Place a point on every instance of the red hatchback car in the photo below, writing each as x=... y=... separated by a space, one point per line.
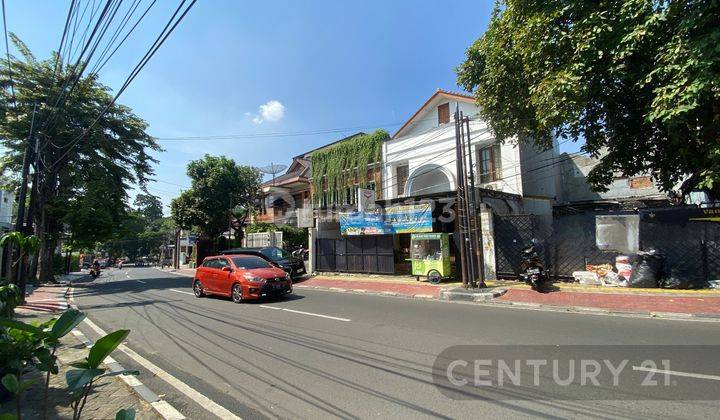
x=241 y=277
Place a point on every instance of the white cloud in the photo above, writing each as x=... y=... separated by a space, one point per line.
x=271 y=111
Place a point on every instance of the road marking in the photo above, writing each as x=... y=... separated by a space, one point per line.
x=188 y=391
x=676 y=373
x=307 y=313
x=182 y=291
x=140 y=281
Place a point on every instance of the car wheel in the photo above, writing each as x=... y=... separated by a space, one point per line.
x=237 y=293
x=198 y=289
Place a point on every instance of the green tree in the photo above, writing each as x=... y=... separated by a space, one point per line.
x=150 y=206
x=638 y=80
x=85 y=172
x=219 y=187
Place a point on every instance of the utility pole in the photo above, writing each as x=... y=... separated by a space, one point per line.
x=460 y=200
x=469 y=210
x=21 y=204
x=480 y=250
x=176 y=254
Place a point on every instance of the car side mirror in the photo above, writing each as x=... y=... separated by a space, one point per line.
x=228 y=269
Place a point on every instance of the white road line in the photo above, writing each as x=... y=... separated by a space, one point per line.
x=188 y=391
x=307 y=313
x=676 y=373
x=181 y=291
x=140 y=281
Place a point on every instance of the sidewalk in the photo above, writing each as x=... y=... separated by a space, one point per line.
x=45 y=299
x=110 y=395
x=620 y=301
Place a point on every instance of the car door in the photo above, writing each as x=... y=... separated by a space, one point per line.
x=207 y=273
x=222 y=278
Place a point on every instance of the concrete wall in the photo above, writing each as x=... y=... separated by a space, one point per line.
x=540 y=170
x=575 y=188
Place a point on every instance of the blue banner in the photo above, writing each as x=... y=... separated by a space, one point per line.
x=413 y=218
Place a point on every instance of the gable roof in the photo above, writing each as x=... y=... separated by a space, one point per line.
x=455 y=96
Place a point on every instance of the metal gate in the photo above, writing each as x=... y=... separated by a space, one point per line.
x=691 y=248
x=359 y=254
x=512 y=234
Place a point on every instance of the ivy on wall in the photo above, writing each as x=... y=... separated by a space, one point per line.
x=345 y=163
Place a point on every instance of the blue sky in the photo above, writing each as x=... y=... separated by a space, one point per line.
x=330 y=64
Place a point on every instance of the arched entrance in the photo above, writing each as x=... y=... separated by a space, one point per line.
x=429 y=179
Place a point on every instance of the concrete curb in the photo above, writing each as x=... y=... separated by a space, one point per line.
x=469 y=296
x=161 y=407
x=675 y=316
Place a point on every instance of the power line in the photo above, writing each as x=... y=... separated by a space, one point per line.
x=126 y=36
x=164 y=34
x=7 y=55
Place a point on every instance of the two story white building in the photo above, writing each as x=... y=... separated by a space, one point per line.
x=420 y=160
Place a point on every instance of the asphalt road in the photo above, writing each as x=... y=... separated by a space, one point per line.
x=324 y=354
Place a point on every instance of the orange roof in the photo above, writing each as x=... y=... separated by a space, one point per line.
x=440 y=92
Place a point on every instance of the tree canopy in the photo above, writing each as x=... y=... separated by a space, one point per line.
x=150 y=206
x=637 y=80
x=218 y=188
x=86 y=160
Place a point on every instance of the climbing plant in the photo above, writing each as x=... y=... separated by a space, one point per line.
x=346 y=162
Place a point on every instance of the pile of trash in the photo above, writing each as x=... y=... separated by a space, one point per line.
x=646 y=269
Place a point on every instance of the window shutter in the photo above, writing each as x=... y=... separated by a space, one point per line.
x=444 y=113
x=497 y=163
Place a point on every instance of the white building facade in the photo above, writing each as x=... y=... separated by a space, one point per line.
x=420 y=159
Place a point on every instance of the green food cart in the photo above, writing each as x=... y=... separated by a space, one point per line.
x=430 y=256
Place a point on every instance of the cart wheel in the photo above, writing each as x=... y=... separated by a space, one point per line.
x=434 y=277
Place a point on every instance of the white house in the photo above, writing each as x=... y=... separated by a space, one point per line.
x=420 y=159
x=7 y=200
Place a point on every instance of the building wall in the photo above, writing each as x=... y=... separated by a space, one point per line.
x=540 y=171
x=427 y=144
x=575 y=188
x=7 y=201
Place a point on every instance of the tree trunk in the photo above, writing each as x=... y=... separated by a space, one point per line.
x=45 y=261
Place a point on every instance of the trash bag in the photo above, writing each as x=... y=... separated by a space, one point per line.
x=682 y=278
x=647 y=270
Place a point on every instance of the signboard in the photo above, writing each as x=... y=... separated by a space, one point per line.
x=619 y=233
x=413 y=218
x=359 y=223
x=365 y=199
x=305 y=217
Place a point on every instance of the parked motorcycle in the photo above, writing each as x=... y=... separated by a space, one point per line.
x=300 y=252
x=532 y=270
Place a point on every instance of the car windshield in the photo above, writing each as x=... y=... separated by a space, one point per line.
x=249 y=262
x=275 y=253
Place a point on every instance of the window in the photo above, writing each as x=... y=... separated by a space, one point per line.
x=401 y=175
x=250 y=262
x=207 y=263
x=444 y=113
x=220 y=263
x=489 y=164
x=276 y=254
